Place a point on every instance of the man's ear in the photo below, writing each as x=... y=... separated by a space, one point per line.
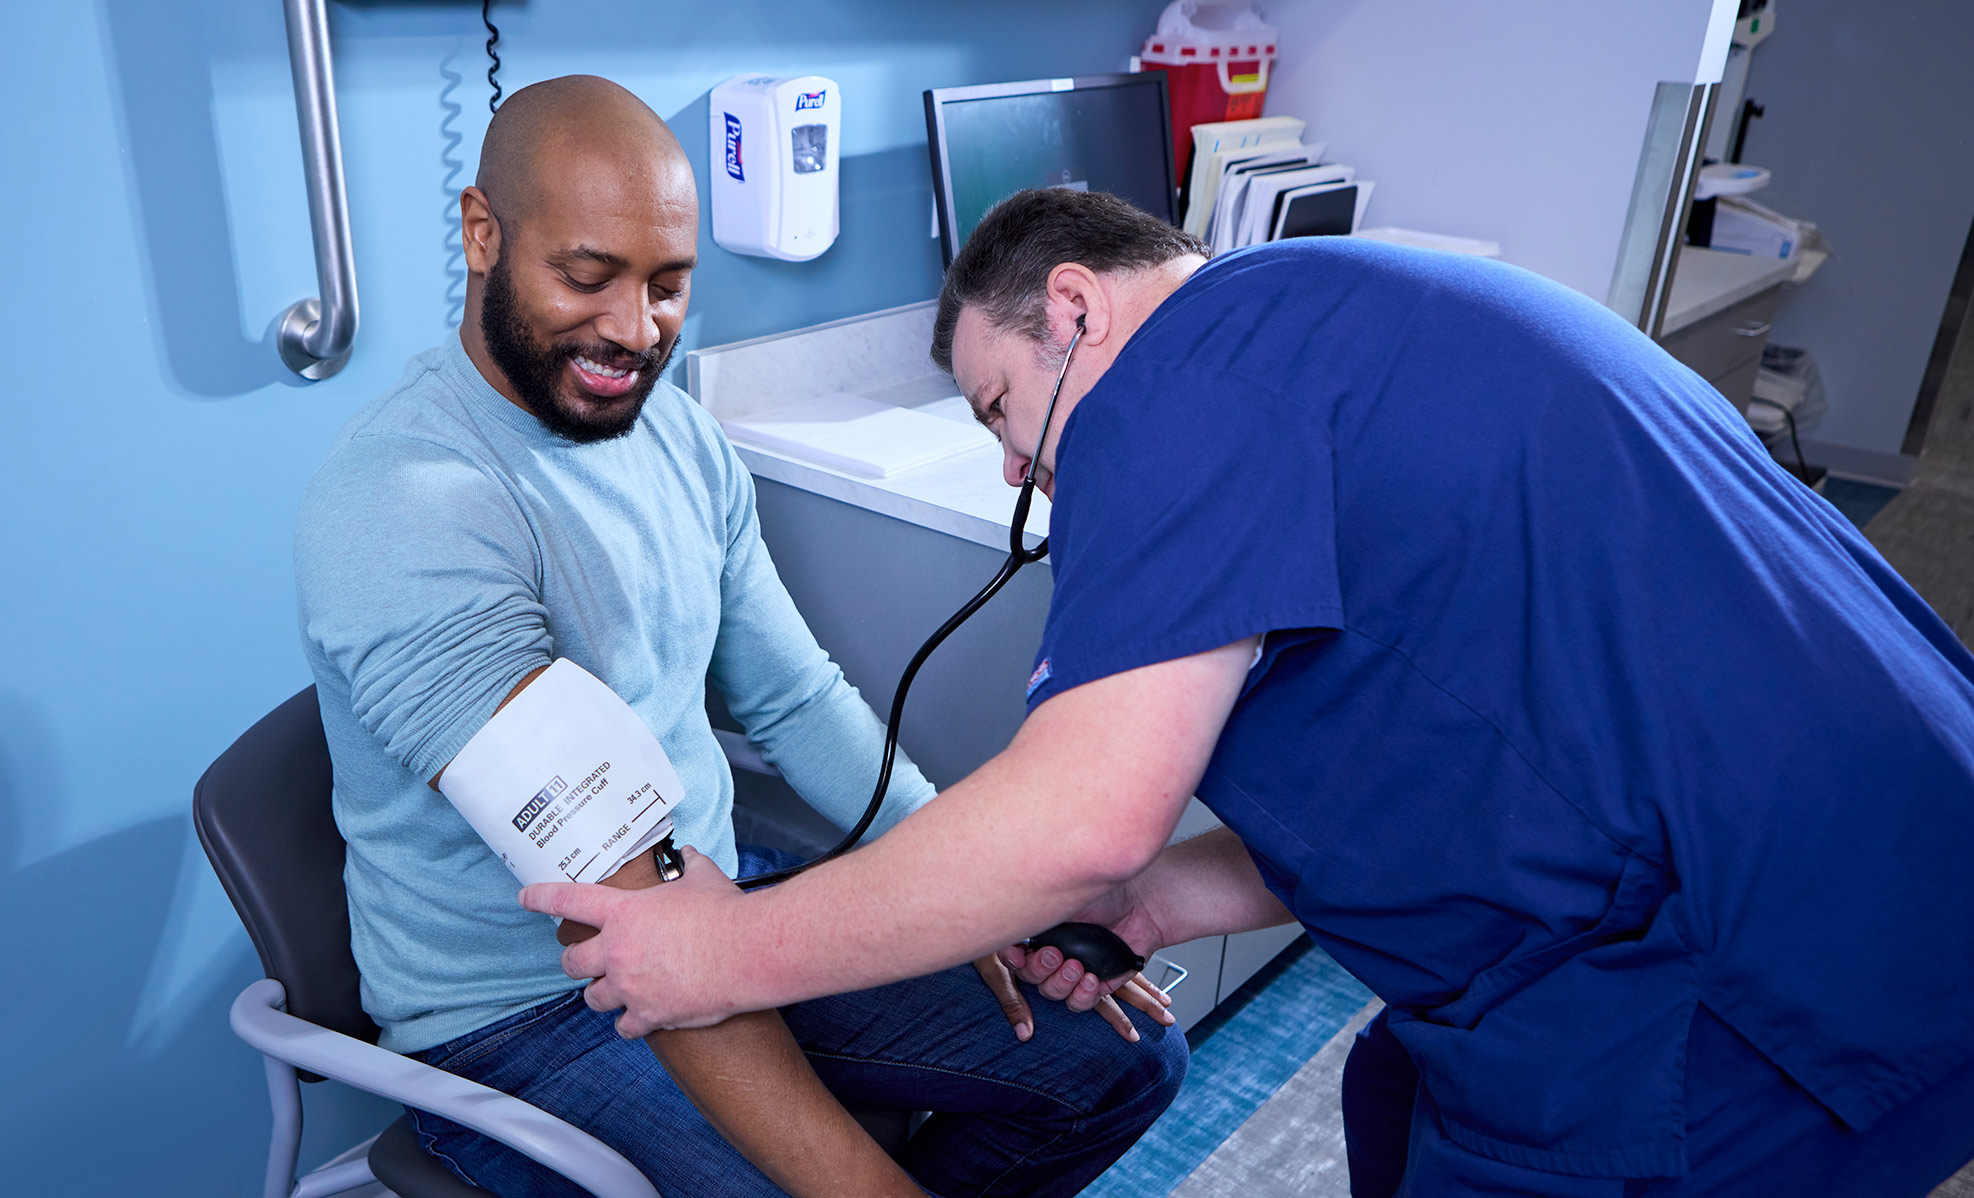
x=1077 y=297
x=479 y=232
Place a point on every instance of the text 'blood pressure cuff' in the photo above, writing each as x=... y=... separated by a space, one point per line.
x=566 y=782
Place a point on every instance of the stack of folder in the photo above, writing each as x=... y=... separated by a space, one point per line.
x=1257 y=180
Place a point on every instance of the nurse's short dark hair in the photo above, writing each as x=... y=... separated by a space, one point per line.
x=1004 y=266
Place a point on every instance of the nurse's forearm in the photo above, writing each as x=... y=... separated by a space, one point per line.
x=1081 y=802
x=1207 y=886
x=994 y=859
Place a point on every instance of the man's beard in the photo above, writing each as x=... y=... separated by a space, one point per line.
x=536 y=371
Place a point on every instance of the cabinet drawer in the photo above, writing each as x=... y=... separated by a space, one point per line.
x=1721 y=343
x=1247 y=952
x=1738 y=384
x=1196 y=996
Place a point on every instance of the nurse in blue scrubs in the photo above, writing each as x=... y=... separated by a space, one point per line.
x=1608 y=755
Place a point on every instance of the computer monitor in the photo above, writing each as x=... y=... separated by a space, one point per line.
x=1093 y=132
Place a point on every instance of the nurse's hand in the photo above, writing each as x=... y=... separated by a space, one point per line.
x=1124 y=911
x=998 y=971
x=639 y=873
x=658 y=953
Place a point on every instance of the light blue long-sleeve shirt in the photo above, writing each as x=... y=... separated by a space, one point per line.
x=449 y=546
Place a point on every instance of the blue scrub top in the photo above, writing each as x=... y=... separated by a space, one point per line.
x=1574 y=709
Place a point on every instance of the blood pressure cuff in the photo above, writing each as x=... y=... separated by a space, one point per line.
x=566 y=782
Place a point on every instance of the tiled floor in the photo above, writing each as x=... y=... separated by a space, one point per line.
x=1858 y=501
x=1242 y=1054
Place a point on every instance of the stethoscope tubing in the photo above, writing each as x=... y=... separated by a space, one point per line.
x=1018 y=556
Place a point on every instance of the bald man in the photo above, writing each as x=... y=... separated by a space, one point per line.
x=531 y=491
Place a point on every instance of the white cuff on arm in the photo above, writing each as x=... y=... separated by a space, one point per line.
x=566 y=782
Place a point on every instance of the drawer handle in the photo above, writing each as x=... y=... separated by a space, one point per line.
x=1757 y=329
x=1169 y=968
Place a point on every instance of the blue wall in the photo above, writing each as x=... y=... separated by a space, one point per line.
x=154 y=449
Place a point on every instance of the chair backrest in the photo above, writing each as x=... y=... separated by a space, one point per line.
x=263 y=814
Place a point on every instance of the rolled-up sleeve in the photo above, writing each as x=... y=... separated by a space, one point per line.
x=418 y=580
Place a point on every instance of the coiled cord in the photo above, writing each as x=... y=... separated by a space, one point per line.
x=493 y=38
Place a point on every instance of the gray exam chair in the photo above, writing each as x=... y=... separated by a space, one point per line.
x=262 y=812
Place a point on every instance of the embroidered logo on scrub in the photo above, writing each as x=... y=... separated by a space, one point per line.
x=1042 y=674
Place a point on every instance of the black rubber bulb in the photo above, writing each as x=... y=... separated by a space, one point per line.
x=1102 y=951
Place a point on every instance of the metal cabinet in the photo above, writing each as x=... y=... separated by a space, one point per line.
x=1249 y=951
x=1726 y=348
x=871 y=587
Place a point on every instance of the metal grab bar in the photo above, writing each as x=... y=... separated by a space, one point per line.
x=314 y=337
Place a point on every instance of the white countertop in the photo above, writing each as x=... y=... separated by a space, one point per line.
x=963 y=495
x=881 y=356
x=1705 y=282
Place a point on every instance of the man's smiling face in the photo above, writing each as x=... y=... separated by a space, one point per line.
x=581 y=233
x=582 y=310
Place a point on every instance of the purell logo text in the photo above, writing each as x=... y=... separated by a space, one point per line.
x=733 y=147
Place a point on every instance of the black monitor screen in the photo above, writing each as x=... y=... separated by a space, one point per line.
x=1103 y=133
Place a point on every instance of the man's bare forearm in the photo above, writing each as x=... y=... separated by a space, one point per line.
x=750 y=1080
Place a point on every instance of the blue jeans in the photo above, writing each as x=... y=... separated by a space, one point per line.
x=1043 y=1118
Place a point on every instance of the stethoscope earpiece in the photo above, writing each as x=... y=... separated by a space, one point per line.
x=1021 y=554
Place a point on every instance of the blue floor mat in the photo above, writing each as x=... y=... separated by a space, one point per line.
x=1858 y=501
x=1242 y=1053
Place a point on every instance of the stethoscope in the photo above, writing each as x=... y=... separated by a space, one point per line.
x=1101 y=950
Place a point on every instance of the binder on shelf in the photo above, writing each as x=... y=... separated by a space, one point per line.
x=1215 y=142
x=1262 y=204
x=1319 y=210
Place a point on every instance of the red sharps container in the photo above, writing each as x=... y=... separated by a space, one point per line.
x=1215 y=55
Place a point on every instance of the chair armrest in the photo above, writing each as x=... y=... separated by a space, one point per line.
x=259 y=1019
x=742 y=755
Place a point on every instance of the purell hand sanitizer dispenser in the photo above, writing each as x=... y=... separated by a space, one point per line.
x=774 y=148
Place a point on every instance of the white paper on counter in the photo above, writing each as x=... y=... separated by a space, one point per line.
x=858 y=435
